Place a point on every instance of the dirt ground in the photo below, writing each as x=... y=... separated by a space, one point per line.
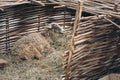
x=48 y=68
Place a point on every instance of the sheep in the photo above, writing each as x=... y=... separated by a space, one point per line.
x=33 y=45
x=52 y=31
x=59 y=29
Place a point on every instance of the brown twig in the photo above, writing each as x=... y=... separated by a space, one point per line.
x=112 y=22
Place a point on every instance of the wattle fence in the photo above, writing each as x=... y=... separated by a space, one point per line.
x=20 y=20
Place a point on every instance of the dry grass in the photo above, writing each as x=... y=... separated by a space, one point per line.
x=48 y=68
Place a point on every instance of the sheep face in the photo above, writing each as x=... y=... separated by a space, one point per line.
x=56 y=27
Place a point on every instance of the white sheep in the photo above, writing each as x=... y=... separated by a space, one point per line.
x=59 y=29
x=33 y=45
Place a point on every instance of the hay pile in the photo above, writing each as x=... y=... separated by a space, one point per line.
x=48 y=68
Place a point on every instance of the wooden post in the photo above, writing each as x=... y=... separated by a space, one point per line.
x=75 y=27
x=64 y=17
x=7 y=37
x=38 y=23
x=115 y=7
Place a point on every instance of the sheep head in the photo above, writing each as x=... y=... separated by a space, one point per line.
x=56 y=27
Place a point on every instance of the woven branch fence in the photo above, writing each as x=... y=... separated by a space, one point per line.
x=110 y=7
x=20 y=20
x=94 y=50
x=96 y=40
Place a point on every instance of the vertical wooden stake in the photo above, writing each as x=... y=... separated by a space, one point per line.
x=7 y=37
x=64 y=17
x=115 y=7
x=75 y=27
x=38 y=23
